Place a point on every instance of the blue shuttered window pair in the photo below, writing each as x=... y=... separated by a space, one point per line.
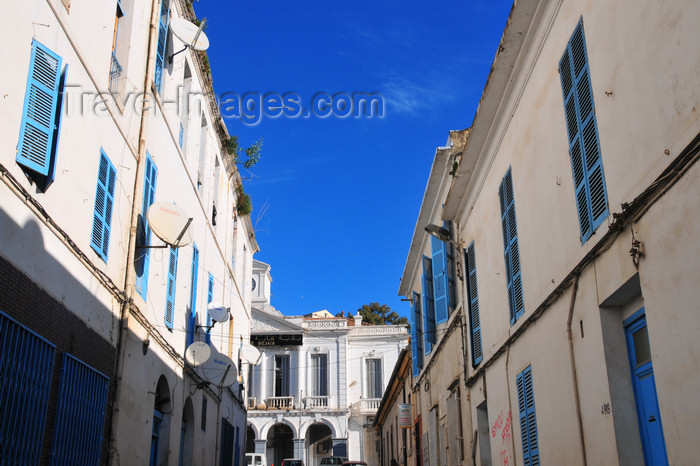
x=104 y=201
x=162 y=42
x=41 y=115
x=170 y=296
x=210 y=297
x=25 y=382
x=428 y=306
x=528 y=419
x=473 y=301
x=144 y=231
x=192 y=316
x=511 y=250
x=584 y=146
x=443 y=278
x=80 y=414
x=416 y=335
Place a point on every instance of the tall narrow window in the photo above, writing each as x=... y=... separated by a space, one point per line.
x=428 y=306
x=144 y=231
x=528 y=419
x=192 y=315
x=170 y=296
x=584 y=146
x=511 y=250
x=210 y=298
x=41 y=115
x=282 y=386
x=443 y=277
x=104 y=201
x=319 y=375
x=473 y=301
x=375 y=388
x=162 y=42
x=416 y=334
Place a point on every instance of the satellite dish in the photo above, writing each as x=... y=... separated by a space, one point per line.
x=197 y=353
x=218 y=312
x=250 y=354
x=189 y=33
x=170 y=223
x=219 y=369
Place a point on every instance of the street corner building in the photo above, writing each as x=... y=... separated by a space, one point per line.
x=553 y=269
x=101 y=121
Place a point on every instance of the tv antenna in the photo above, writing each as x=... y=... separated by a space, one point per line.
x=190 y=34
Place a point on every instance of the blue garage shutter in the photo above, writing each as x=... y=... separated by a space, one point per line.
x=192 y=317
x=428 y=306
x=104 y=201
x=144 y=233
x=170 y=296
x=528 y=419
x=210 y=297
x=25 y=381
x=40 y=116
x=584 y=145
x=162 y=42
x=511 y=251
x=473 y=300
x=80 y=414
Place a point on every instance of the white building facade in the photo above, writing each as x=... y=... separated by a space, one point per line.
x=319 y=382
x=98 y=124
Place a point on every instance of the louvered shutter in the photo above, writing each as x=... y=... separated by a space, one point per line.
x=149 y=194
x=162 y=42
x=428 y=306
x=584 y=145
x=210 y=297
x=104 y=202
x=473 y=297
x=440 y=285
x=414 y=339
x=511 y=250
x=191 y=318
x=38 y=125
x=172 y=282
x=528 y=418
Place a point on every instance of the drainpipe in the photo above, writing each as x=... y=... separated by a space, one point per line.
x=129 y=281
x=574 y=376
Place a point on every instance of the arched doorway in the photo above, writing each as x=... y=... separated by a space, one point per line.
x=280 y=444
x=160 y=432
x=249 y=440
x=319 y=443
x=187 y=434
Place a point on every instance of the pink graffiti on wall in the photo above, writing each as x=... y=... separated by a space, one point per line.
x=501 y=430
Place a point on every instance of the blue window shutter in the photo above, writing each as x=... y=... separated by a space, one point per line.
x=182 y=136
x=143 y=254
x=584 y=144
x=417 y=302
x=414 y=340
x=172 y=282
x=39 y=115
x=516 y=302
x=440 y=285
x=528 y=418
x=192 y=317
x=162 y=42
x=210 y=297
x=25 y=375
x=104 y=202
x=473 y=300
x=80 y=414
x=428 y=306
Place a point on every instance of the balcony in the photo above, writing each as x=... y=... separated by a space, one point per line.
x=116 y=73
x=370 y=405
x=318 y=402
x=280 y=402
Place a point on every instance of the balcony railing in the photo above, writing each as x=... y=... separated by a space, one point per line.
x=316 y=402
x=280 y=402
x=115 y=76
x=370 y=404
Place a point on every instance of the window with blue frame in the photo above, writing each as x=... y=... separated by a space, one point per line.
x=511 y=250
x=416 y=334
x=528 y=418
x=104 y=202
x=210 y=297
x=443 y=277
x=161 y=50
x=582 y=129
x=41 y=116
x=473 y=301
x=192 y=316
x=170 y=296
x=428 y=306
x=144 y=231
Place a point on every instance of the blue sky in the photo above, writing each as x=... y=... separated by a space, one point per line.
x=340 y=196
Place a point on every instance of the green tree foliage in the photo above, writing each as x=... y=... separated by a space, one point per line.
x=379 y=314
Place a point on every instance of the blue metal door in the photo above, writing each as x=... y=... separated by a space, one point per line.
x=648 y=414
x=155 y=436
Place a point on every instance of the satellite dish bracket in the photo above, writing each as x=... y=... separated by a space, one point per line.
x=194 y=41
x=166 y=245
